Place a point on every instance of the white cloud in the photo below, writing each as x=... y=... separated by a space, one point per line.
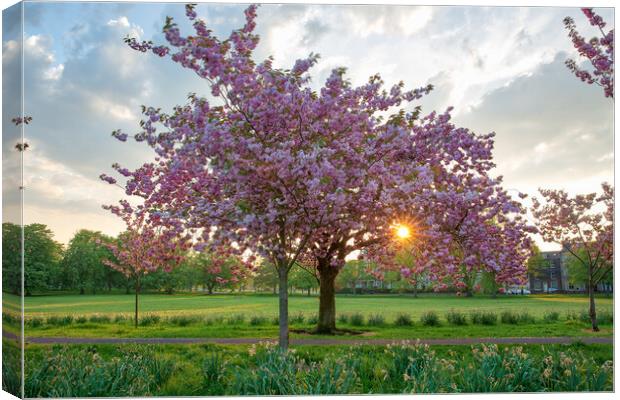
x=122 y=21
x=117 y=111
x=541 y=148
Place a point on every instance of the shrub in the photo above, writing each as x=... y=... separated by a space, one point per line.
x=429 y=318
x=356 y=319
x=11 y=368
x=258 y=320
x=605 y=317
x=403 y=320
x=413 y=369
x=376 y=320
x=11 y=319
x=149 y=319
x=213 y=369
x=551 y=316
x=298 y=318
x=313 y=319
x=329 y=377
x=120 y=318
x=483 y=318
x=33 y=322
x=572 y=315
x=99 y=318
x=82 y=319
x=276 y=375
x=236 y=319
x=70 y=372
x=275 y=320
x=343 y=318
x=217 y=320
x=183 y=320
x=509 y=317
x=456 y=317
x=526 y=318
x=55 y=320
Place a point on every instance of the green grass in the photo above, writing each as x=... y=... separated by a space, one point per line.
x=226 y=316
x=388 y=306
x=270 y=331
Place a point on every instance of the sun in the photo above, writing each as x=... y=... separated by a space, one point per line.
x=403 y=231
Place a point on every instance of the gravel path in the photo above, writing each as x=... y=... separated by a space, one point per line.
x=315 y=342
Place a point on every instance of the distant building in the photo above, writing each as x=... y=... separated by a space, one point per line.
x=553 y=276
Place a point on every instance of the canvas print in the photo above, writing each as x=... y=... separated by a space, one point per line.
x=227 y=199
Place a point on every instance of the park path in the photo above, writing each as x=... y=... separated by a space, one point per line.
x=316 y=342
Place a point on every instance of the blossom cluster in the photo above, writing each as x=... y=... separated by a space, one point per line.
x=599 y=51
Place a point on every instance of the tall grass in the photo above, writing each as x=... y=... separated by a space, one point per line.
x=266 y=370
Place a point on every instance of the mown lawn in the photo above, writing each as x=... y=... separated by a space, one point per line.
x=270 y=331
x=252 y=304
x=227 y=316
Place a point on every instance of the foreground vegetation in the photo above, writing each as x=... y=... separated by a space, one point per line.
x=184 y=370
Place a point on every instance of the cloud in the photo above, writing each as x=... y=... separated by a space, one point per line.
x=552 y=130
x=501 y=67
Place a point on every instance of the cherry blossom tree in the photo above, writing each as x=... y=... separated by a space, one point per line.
x=270 y=162
x=219 y=268
x=585 y=232
x=144 y=247
x=598 y=51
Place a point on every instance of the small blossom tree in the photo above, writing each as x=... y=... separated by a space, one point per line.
x=598 y=50
x=582 y=230
x=144 y=247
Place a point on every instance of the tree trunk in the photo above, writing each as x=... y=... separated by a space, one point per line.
x=415 y=289
x=592 y=306
x=327 y=297
x=283 y=305
x=137 y=291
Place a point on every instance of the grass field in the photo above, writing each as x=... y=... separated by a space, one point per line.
x=224 y=305
x=216 y=315
x=208 y=369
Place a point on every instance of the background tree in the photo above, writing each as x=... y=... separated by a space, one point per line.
x=579 y=275
x=266 y=278
x=83 y=262
x=218 y=269
x=303 y=279
x=575 y=223
x=11 y=258
x=42 y=255
x=144 y=248
x=598 y=51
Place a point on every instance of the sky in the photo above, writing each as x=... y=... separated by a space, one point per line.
x=501 y=68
